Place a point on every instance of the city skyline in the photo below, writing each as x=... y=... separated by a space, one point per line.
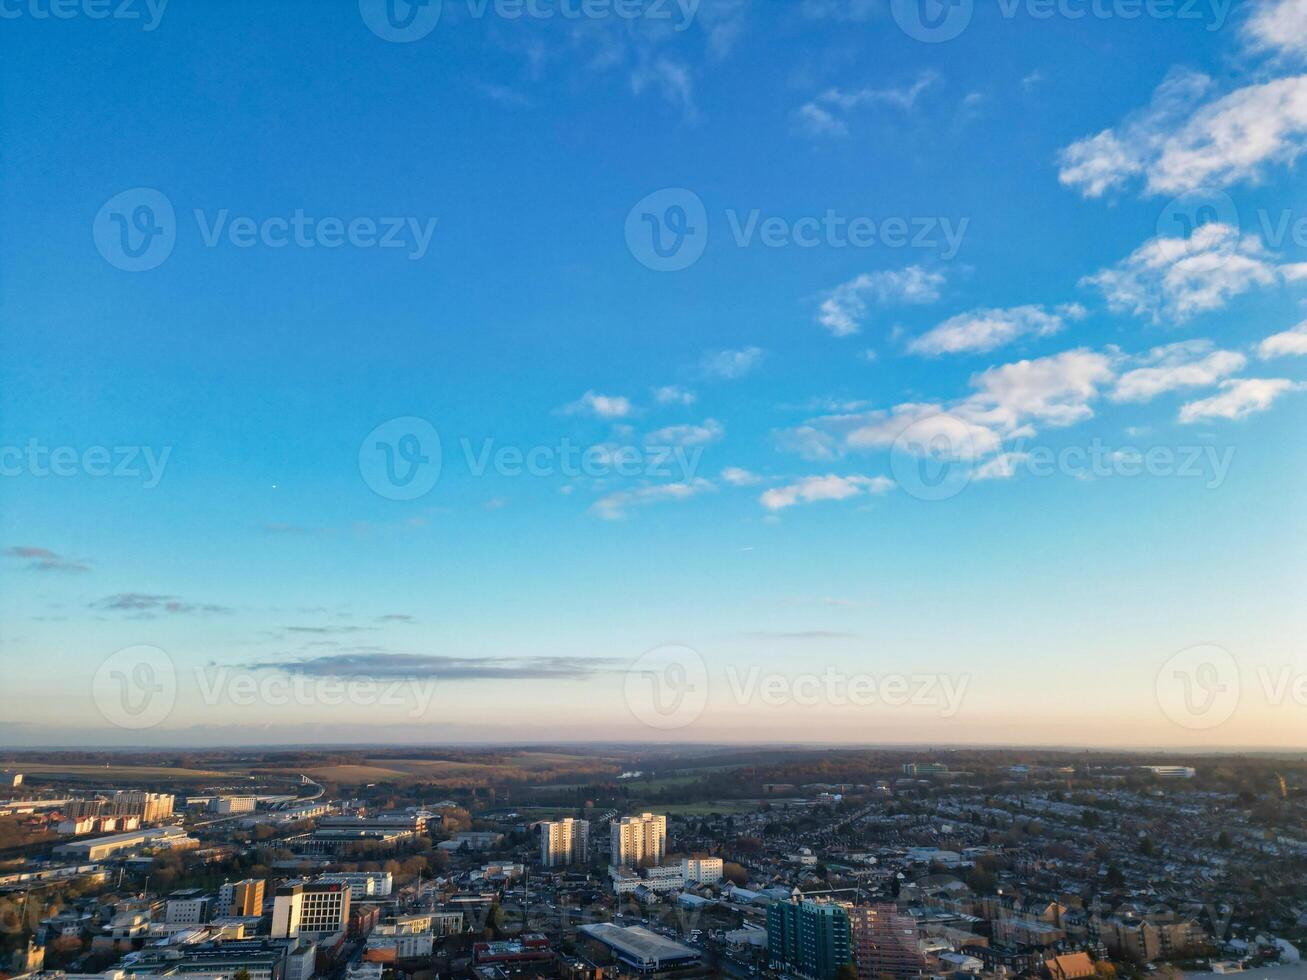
x=763 y=374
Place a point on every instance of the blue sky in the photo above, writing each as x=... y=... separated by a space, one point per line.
x=1102 y=252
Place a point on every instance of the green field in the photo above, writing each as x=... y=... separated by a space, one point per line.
x=112 y=773
x=725 y=807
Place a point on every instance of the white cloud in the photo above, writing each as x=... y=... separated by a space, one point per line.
x=738 y=477
x=986 y=329
x=1181 y=143
x=1007 y=402
x=1052 y=390
x=671 y=79
x=1287 y=343
x=821 y=115
x=686 y=435
x=1189 y=364
x=732 y=364
x=1176 y=278
x=1001 y=467
x=816 y=121
x=1278 y=27
x=813 y=489
x=673 y=395
x=1237 y=400
x=846 y=305
x=615 y=506
x=1106 y=161
x=601 y=406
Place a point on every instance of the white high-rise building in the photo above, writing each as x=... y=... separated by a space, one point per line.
x=565 y=841
x=310 y=910
x=639 y=840
x=701 y=870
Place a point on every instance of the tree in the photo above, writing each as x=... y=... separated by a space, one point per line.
x=847 y=971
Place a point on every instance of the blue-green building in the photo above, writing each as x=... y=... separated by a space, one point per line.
x=808 y=938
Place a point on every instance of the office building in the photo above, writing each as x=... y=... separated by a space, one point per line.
x=639 y=841
x=362 y=884
x=808 y=938
x=925 y=769
x=241 y=897
x=189 y=906
x=885 y=942
x=310 y=910
x=564 y=842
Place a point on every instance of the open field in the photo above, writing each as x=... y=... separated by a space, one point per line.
x=112 y=773
x=724 y=807
x=511 y=766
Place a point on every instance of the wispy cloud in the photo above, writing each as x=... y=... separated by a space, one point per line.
x=44 y=560
x=1181 y=142
x=844 y=308
x=673 y=395
x=599 y=406
x=984 y=330
x=1175 y=279
x=1278 y=28
x=710 y=430
x=826 y=114
x=1188 y=364
x=617 y=505
x=1289 y=342
x=731 y=364
x=815 y=489
x=146 y=604
x=1238 y=399
x=798 y=635
x=432 y=667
